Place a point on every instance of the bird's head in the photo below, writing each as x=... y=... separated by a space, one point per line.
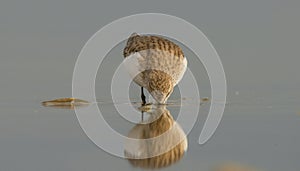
x=160 y=85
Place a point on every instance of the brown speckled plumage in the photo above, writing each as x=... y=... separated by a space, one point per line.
x=138 y=43
x=159 y=80
x=160 y=63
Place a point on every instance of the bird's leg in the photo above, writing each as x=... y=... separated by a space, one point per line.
x=143 y=96
x=142 y=116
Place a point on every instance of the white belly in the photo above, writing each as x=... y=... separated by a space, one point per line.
x=139 y=62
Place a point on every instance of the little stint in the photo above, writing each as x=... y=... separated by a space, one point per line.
x=154 y=63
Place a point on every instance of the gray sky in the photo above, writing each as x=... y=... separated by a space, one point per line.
x=258 y=41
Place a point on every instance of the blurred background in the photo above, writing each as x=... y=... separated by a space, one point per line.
x=257 y=41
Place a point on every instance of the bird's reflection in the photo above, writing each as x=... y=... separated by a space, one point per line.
x=158 y=141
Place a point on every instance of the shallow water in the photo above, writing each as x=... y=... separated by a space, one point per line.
x=262 y=133
x=258 y=43
x=260 y=126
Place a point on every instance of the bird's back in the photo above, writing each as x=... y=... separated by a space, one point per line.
x=149 y=53
x=136 y=43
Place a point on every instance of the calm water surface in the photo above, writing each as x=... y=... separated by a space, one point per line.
x=260 y=130
x=258 y=43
